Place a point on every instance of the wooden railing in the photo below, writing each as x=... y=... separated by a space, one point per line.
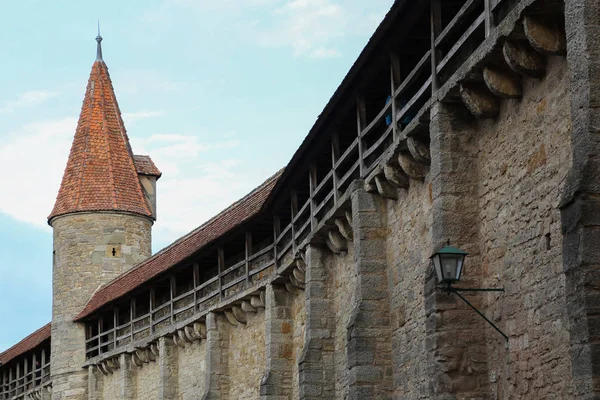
x=201 y=296
x=409 y=98
x=24 y=374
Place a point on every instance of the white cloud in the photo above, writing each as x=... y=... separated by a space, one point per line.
x=27 y=99
x=132 y=118
x=32 y=160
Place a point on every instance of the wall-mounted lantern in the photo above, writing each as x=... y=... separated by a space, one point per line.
x=448 y=263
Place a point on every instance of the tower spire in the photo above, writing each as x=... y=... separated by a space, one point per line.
x=99 y=46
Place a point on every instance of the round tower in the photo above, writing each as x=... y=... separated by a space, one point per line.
x=102 y=222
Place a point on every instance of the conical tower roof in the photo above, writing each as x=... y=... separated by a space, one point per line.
x=100 y=174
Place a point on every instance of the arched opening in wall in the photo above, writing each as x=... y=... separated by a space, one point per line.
x=92 y=331
x=261 y=248
x=183 y=292
x=463 y=30
x=161 y=304
x=141 y=314
x=107 y=333
x=208 y=292
x=234 y=268
x=123 y=331
x=375 y=115
x=347 y=163
x=412 y=70
x=323 y=178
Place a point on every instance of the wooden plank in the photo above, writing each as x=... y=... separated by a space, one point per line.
x=152 y=302
x=395 y=80
x=476 y=24
x=412 y=76
x=276 y=230
x=387 y=108
x=348 y=151
x=294 y=211
x=378 y=143
x=115 y=322
x=414 y=99
x=453 y=25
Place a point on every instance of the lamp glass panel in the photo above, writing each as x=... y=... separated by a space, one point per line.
x=438 y=267
x=461 y=261
x=450 y=266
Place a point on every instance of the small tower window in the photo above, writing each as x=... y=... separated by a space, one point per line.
x=113 y=251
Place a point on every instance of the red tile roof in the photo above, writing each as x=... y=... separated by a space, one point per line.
x=145 y=166
x=25 y=345
x=100 y=174
x=182 y=248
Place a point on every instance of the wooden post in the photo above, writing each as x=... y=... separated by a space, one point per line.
x=395 y=80
x=116 y=322
x=312 y=184
x=221 y=266
x=172 y=295
x=43 y=364
x=100 y=326
x=131 y=317
x=34 y=375
x=276 y=233
x=294 y=212
x=248 y=254
x=335 y=156
x=436 y=28
x=361 y=118
x=151 y=302
x=489 y=17
x=196 y=283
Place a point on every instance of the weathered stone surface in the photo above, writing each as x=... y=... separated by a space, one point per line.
x=523 y=59
x=336 y=242
x=419 y=150
x=480 y=102
x=502 y=83
x=412 y=168
x=396 y=176
x=345 y=228
x=384 y=188
x=545 y=38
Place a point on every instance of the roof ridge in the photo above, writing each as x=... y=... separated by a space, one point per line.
x=188 y=235
x=24 y=339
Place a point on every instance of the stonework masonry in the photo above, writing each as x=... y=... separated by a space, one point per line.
x=90 y=249
x=503 y=163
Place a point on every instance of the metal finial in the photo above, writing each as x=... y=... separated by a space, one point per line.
x=99 y=46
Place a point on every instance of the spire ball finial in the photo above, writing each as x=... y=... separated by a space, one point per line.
x=99 y=46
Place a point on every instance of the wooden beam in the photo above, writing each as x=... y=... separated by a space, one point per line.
x=196 y=273
x=489 y=17
x=248 y=254
x=312 y=177
x=221 y=267
x=151 y=302
x=435 y=24
x=115 y=324
x=335 y=155
x=294 y=212
x=361 y=123
x=276 y=233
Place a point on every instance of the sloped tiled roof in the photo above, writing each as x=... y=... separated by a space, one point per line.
x=145 y=166
x=100 y=174
x=234 y=215
x=27 y=344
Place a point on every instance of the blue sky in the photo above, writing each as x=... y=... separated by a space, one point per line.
x=219 y=93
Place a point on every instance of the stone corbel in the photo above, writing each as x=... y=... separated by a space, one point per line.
x=200 y=329
x=502 y=83
x=299 y=275
x=480 y=102
x=178 y=341
x=191 y=334
x=154 y=349
x=247 y=307
x=419 y=151
x=291 y=288
x=384 y=188
x=300 y=264
x=257 y=301
x=336 y=242
x=239 y=314
x=411 y=167
x=345 y=229
x=183 y=337
x=136 y=359
x=545 y=38
x=102 y=368
x=523 y=59
x=230 y=317
x=394 y=175
x=113 y=363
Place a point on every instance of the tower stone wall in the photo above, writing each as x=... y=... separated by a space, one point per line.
x=90 y=249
